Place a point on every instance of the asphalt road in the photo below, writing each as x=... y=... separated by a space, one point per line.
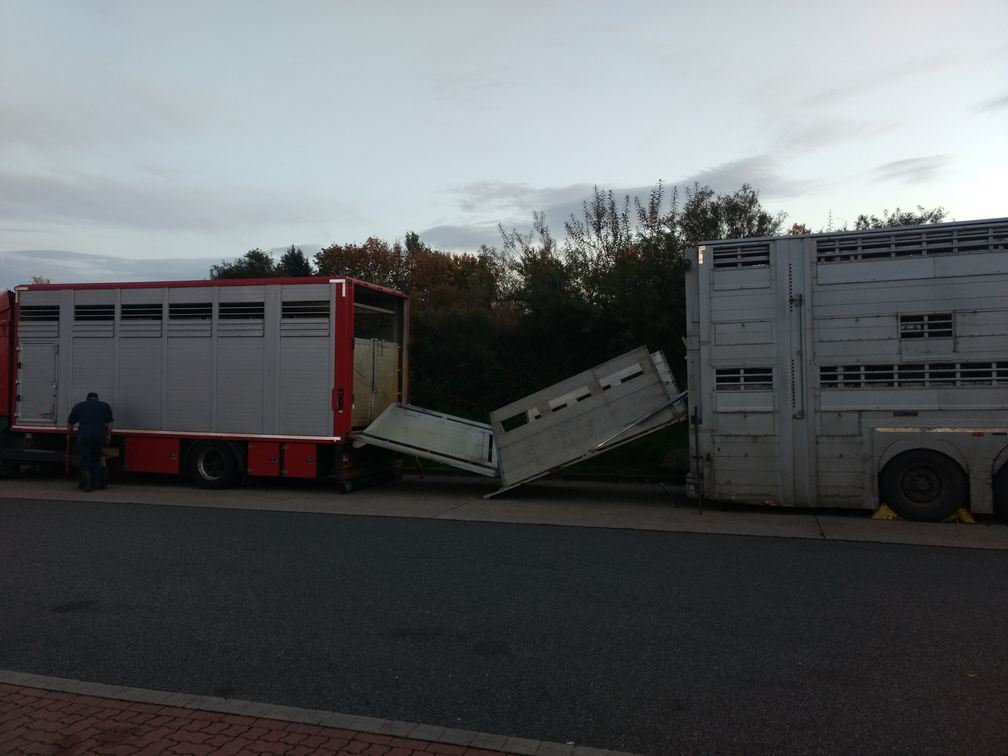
x=641 y=641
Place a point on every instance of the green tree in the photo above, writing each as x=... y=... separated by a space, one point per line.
x=616 y=280
x=253 y=264
x=707 y=216
x=375 y=261
x=462 y=334
x=900 y=217
x=293 y=262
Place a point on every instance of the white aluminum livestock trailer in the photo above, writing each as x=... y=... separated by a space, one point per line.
x=852 y=369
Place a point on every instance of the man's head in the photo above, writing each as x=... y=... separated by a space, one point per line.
x=92 y=395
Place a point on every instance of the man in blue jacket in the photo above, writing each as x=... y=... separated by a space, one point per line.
x=94 y=428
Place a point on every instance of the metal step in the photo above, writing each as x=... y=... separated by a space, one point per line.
x=33 y=455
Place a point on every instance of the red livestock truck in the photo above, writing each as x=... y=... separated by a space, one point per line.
x=211 y=379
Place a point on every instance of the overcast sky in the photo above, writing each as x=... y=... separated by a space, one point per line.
x=147 y=140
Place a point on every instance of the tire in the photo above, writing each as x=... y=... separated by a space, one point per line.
x=1001 y=493
x=923 y=485
x=212 y=465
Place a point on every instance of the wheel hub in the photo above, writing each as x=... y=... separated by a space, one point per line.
x=211 y=465
x=921 y=484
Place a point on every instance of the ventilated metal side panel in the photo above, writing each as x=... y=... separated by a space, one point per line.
x=187 y=384
x=910 y=329
x=90 y=315
x=305 y=393
x=598 y=409
x=240 y=363
x=240 y=336
x=792 y=353
x=454 y=441
x=93 y=366
x=305 y=359
x=746 y=372
x=138 y=404
x=228 y=359
x=841 y=470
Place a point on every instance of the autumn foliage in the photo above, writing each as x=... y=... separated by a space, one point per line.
x=495 y=324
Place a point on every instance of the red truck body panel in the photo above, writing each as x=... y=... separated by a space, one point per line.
x=267 y=368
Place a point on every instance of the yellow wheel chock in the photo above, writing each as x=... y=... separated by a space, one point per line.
x=885 y=512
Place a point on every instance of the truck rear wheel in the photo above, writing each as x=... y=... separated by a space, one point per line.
x=212 y=465
x=923 y=485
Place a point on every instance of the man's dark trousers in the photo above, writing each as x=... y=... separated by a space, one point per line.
x=89 y=447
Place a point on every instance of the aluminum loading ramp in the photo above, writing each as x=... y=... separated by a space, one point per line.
x=452 y=440
x=587 y=414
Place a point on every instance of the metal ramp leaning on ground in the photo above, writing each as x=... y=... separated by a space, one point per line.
x=587 y=414
x=452 y=440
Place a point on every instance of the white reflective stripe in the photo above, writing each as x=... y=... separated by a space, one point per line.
x=198 y=435
x=941 y=430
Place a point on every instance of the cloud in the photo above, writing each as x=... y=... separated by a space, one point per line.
x=762 y=172
x=889 y=77
x=138 y=111
x=490 y=195
x=486 y=197
x=462 y=238
x=146 y=202
x=816 y=133
x=469 y=87
x=912 y=170
x=308 y=249
x=512 y=204
x=992 y=105
x=65 y=266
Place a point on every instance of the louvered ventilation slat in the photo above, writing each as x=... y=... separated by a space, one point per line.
x=306 y=309
x=743 y=379
x=37 y=313
x=190 y=311
x=876 y=245
x=95 y=312
x=141 y=312
x=726 y=256
x=935 y=325
x=240 y=310
x=914 y=375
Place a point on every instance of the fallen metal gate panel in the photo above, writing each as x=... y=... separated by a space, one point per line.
x=595 y=411
x=452 y=440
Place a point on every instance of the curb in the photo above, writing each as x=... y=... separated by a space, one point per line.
x=321 y=718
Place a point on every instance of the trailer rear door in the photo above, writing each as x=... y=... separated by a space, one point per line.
x=36 y=384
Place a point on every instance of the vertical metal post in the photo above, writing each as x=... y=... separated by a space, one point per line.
x=695 y=420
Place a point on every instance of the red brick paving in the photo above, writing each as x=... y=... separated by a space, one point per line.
x=34 y=721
